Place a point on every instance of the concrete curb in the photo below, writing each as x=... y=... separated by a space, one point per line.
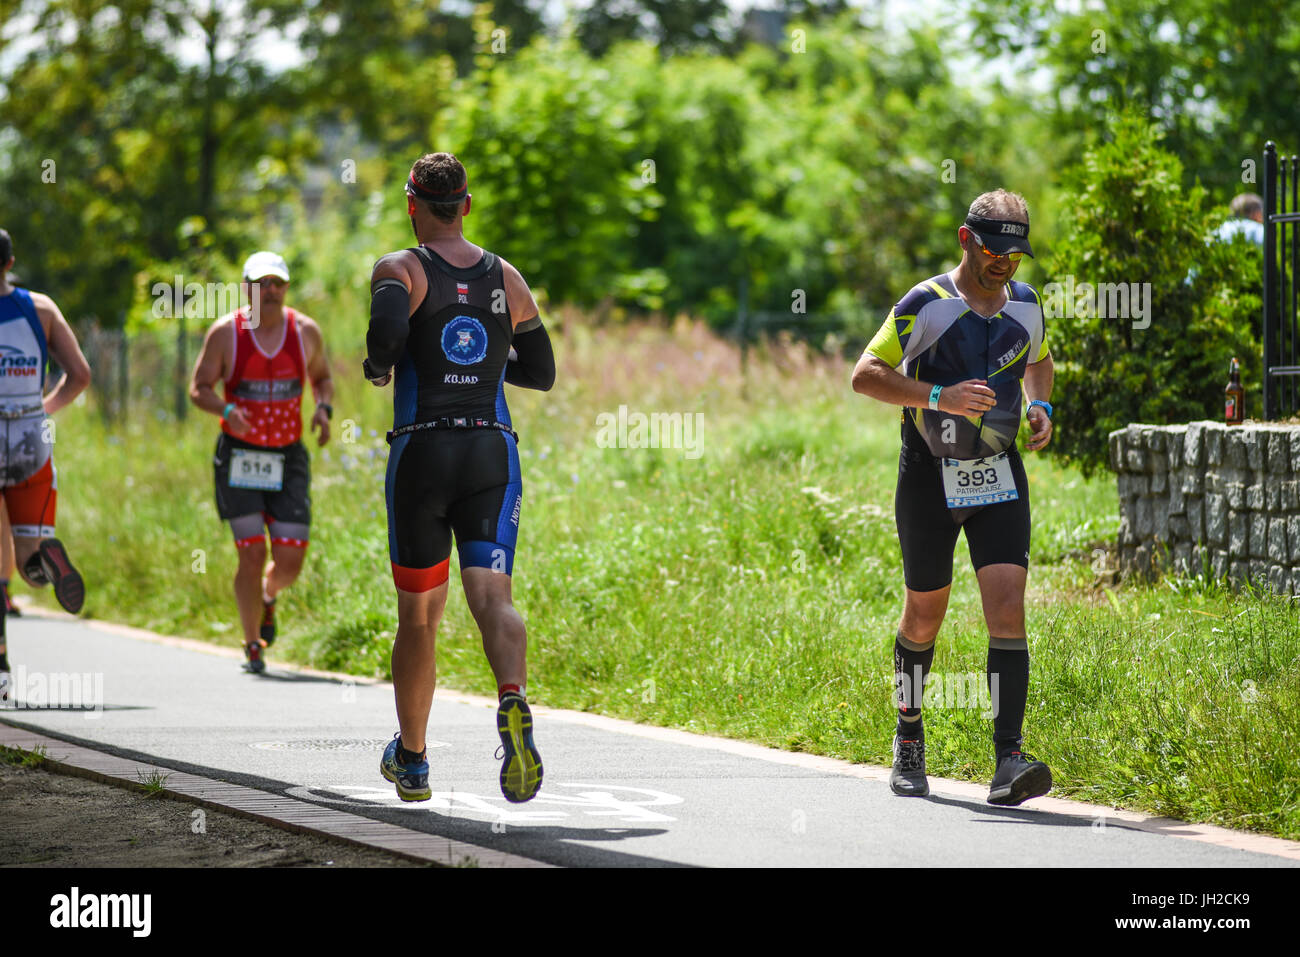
x=286 y=813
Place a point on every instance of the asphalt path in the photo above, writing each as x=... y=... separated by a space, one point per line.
x=615 y=794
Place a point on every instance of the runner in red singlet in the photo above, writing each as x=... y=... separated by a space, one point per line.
x=263 y=477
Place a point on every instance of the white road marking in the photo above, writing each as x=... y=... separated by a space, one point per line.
x=597 y=800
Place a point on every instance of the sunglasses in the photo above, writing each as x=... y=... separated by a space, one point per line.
x=979 y=241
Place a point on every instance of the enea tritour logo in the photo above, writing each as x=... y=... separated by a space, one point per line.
x=464 y=341
x=16 y=362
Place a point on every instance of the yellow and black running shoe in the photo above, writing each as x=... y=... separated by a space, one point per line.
x=521 y=765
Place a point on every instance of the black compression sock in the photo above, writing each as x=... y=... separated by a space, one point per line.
x=911 y=666
x=408 y=757
x=4 y=661
x=1008 y=678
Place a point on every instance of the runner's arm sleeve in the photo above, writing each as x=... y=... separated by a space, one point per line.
x=535 y=367
x=889 y=342
x=390 y=304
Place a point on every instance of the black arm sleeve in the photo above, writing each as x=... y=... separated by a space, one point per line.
x=390 y=304
x=535 y=367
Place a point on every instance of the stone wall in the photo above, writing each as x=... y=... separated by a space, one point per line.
x=1210 y=493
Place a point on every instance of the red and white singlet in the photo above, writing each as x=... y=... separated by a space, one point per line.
x=268 y=385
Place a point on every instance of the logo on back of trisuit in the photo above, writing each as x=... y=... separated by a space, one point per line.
x=16 y=362
x=464 y=341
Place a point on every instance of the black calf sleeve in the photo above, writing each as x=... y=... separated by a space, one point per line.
x=1008 y=678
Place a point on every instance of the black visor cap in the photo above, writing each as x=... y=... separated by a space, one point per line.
x=1001 y=236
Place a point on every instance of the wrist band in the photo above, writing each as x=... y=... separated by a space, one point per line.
x=1045 y=406
x=329 y=409
x=934 y=398
x=225 y=413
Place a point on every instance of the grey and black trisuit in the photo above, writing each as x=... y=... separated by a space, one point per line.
x=934 y=336
x=461 y=474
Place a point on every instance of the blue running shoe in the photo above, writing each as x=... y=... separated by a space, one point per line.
x=412 y=780
x=521 y=765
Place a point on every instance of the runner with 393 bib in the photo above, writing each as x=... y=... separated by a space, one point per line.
x=971 y=346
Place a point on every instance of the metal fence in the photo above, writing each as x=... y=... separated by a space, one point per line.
x=1280 y=293
x=144 y=371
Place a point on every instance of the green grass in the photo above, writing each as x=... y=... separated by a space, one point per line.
x=22 y=758
x=154 y=783
x=752 y=592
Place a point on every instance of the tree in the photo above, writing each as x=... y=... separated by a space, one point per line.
x=672 y=25
x=1218 y=77
x=1131 y=221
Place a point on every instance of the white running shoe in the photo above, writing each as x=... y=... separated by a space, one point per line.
x=6 y=686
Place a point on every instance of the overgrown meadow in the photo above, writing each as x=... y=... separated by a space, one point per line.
x=748 y=588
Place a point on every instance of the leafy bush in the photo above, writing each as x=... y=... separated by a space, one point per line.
x=1129 y=220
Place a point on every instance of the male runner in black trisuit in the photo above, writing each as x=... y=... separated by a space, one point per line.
x=965 y=341
x=458 y=323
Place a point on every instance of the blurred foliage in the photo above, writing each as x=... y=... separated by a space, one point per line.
x=644 y=156
x=1218 y=76
x=660 y=176
x=1132 y=221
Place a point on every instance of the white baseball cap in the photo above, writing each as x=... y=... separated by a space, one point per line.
x=265 y=263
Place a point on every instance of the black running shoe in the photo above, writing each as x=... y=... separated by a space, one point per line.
x=908 y=776
x=253 y=656
x=1018 y=778
x=69 y=589
x=267 y=631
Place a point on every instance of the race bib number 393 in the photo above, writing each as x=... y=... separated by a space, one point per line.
x=260 y=470
x=971 y=482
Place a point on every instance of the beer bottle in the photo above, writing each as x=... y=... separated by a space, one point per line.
x=1234 y=411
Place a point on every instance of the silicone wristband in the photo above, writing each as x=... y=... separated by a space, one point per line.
x=225 y=413
x=934 y=398
x=1045 y=406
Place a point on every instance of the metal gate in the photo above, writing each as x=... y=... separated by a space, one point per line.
x=1281 y=257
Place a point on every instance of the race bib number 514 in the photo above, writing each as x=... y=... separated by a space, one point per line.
x=260 y=470
x=971 y=482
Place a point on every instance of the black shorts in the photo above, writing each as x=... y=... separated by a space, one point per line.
x=440 y=482
x=928 y=529
x=291 y=504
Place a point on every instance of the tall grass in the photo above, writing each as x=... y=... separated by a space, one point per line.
x=751 y=592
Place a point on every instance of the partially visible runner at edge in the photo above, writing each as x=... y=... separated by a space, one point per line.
x=263 y=358
x=457 y=322
x=32 y=331
x=966 y=342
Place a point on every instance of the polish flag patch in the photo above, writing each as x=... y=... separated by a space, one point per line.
x=462 y=292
